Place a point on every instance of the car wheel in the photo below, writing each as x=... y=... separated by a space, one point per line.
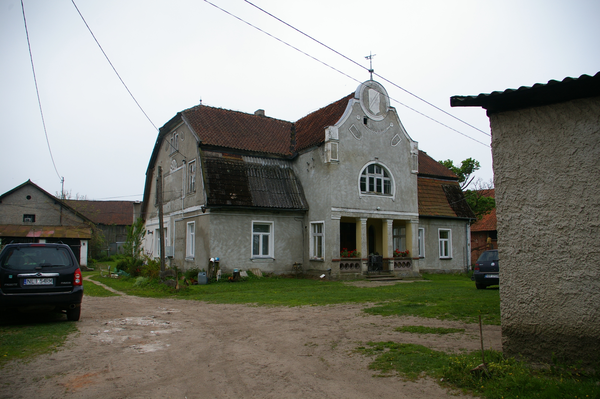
x=74 y=314
x=480 y=286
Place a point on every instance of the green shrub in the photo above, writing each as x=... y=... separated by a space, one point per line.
x=141 y=282
x=151 y=268
x=130 y=266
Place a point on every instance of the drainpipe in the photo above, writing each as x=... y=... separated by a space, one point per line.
x=468 y=258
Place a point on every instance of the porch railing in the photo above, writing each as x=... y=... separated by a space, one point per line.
x=350 y=265
x=401 y=264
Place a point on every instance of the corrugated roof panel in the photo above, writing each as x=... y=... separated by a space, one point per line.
x=251 y=184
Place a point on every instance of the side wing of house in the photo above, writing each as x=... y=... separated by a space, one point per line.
x=241 y=202
x=30 y=214
x=176 y=160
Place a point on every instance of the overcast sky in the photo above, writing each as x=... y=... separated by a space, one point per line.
x=172 y=54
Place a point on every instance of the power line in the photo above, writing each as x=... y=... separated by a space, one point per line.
x=37 y=92
x=112 y=66
x=370 y=70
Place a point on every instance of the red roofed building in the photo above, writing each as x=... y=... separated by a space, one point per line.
x=343 y=191
x=483 y=232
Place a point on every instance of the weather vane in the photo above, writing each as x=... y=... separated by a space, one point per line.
x=370 y=58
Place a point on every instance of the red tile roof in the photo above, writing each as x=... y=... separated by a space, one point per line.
x=237 y=130
x=310 y=130
x=486 y=223
x=105 y=212
x=430 y=167
x=439 y=197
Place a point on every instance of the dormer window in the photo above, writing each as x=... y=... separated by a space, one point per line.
x=375 y=179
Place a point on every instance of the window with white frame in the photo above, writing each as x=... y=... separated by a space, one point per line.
x=262 y=239
x=445 y=240
x=192 y=177
x=399 y=234
x=375 y=179
x=421 y=239
x=316 y=240
x=190 y=241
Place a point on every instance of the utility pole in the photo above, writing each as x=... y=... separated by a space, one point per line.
x=159 y=202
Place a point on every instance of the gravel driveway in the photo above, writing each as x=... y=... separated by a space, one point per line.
x=130 y=347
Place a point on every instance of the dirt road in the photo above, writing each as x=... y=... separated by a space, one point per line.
x=131 y=347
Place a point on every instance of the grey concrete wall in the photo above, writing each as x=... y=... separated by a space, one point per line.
x=547 y=178
x=431 y=262
x=47 y=212
x=231 y=240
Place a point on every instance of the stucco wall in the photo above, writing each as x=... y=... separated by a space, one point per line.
x=547 y=179
x=231 y=240
x=431 y=262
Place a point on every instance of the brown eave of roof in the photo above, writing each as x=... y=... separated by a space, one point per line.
x=539 y=94
x=83 y=232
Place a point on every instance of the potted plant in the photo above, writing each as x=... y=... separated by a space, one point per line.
x=345 y=253
x=400 y=254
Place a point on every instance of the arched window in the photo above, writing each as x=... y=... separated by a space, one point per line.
x=375 y=179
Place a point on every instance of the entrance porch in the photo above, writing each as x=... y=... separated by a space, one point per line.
x=370 y=246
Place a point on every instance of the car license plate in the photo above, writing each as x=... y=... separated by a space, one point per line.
x=491 y=276
x=38 y=281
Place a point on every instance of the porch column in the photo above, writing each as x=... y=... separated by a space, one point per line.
x=334 y=243
x=412 y=228
x=361 y=241
x=388 y=242
x=388 y=238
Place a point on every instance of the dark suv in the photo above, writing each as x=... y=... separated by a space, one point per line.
x=486 y=269
x=35 y=275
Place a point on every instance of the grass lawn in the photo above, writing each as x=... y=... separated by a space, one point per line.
x=448 y=297
x=26 y=335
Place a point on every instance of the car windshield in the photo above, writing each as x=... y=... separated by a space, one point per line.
x=488 y=256
x=25 y=258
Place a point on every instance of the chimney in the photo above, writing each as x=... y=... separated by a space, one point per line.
x=259 y=112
